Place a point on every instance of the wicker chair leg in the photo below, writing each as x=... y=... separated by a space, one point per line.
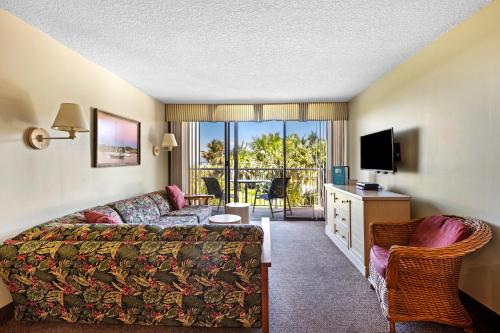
x=468 y=330
x=392 y=327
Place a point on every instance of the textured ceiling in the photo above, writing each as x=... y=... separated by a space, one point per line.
x=232 y=51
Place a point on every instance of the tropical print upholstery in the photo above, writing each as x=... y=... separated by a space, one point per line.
x=201 y=212
x=136 y=210
x=183 y=275
x=161 y=200
x=71 y=218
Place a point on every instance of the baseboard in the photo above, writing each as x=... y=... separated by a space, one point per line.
x=7 y=313
x=485 y=320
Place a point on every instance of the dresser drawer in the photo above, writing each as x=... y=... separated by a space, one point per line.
x=342 y=233
x=341 y=201
x=342 y=217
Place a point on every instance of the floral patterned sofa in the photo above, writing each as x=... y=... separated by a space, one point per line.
x=150 y=270
x=151 y=208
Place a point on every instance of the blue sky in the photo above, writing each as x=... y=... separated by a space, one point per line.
x=248 y=130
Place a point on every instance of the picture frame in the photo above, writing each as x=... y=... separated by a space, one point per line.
x=116 y=140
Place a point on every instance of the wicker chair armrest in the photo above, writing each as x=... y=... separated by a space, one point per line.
x=198 y=199
x=420 y=264
x=394 y=233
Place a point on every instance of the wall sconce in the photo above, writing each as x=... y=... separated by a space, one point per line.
x=69 y=119
x=168 y=143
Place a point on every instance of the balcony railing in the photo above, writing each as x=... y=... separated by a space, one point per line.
x=304 y=188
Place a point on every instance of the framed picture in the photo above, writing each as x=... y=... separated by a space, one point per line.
x=116 y=140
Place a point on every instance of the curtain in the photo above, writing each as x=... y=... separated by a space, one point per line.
x=256 y=112
x=323 y=111
x=337 y=150
x=281 y=112
x=179 y=161
x=235 y=112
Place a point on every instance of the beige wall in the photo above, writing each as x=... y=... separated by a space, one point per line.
x=36 y=74
x=444 y=105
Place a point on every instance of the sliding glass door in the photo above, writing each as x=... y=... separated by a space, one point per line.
x=272 y=165
x=305 y=165
x=258 y=162
x=207 y=170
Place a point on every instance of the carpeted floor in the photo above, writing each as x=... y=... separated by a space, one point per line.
x=313 y=289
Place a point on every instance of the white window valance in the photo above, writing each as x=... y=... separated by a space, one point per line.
x=256 y=112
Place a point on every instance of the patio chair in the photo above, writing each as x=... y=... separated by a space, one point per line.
x=277 y=190
x=214 y=188
x=415 y=267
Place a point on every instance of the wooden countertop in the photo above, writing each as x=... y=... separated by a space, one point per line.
x=368 y=195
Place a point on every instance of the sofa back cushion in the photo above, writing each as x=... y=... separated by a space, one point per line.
x=138 y=210
x=439 y=231
x=176 y=196
x=161 y=200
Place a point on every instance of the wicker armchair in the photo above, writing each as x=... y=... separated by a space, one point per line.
x=421 y=284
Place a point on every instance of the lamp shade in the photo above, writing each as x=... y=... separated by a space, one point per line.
x=70 y=118
x=169 y=141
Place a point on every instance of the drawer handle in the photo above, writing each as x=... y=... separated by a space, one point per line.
x=346 y=201
x=343 y=236
x=343 y=219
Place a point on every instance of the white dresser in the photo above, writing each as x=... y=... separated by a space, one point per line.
x=349 y=212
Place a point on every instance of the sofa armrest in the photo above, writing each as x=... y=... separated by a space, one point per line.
x=418 y=266
x=198 y=199
x=392 y=233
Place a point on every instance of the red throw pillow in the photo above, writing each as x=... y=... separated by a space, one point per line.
x=96 y=217
x=439 y=231
x=176 y=196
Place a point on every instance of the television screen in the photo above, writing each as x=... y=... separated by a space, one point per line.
x=377 y=151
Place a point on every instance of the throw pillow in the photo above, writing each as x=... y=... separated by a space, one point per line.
x=439 y=231
x=96 y=217
x=176 y=196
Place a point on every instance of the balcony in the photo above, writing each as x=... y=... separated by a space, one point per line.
x=304 y=189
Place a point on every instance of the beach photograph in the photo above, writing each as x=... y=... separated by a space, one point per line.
x=116 y=140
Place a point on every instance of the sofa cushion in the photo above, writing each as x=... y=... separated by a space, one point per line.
x=439 y=231
x=96 y=217
x=177 y=220
x=201 y=212
x=138 y=210
x=161 y=200
x=176 y=196
x=379 y=258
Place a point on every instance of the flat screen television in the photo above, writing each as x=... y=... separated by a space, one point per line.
x=377 y=151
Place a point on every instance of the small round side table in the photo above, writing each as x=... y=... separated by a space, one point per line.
x=239 y=208
x=224 y=219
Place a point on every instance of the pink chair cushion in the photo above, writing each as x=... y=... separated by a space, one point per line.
x=176 y=196
x=439 y=231
x=96 y=217
x=379 y=257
